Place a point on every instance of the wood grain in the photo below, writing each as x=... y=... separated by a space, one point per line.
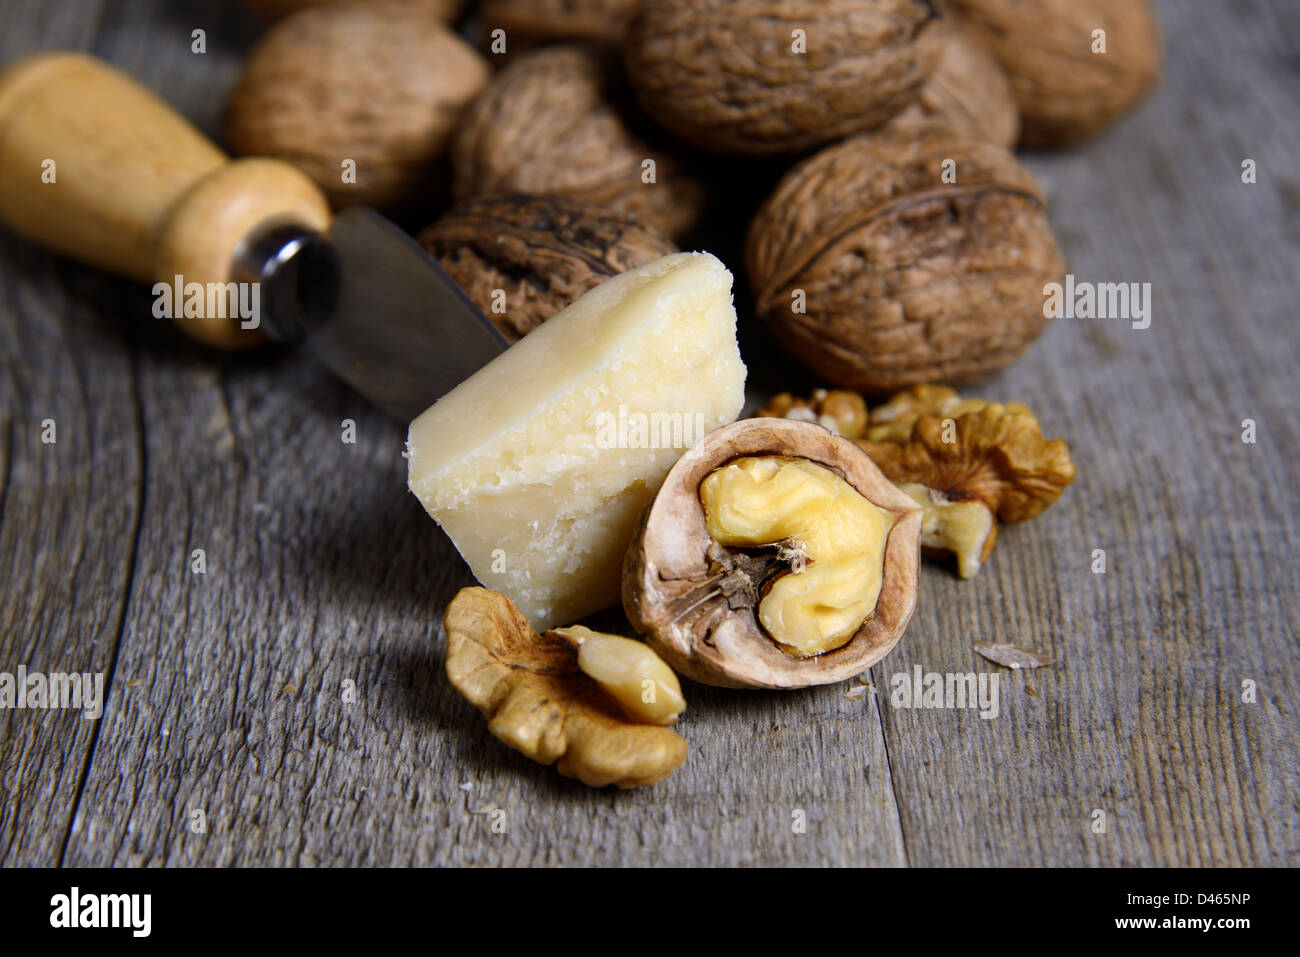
x=227 y=690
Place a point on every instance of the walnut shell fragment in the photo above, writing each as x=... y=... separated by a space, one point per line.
x=543 y=252
x=968 y=92
x=539 y=702
x=382 y=86
x=969 y=461
x=777 y=76
x=880 y=275
x=546 y=124
x=694 y=600
x=1013 y=657
x=1066 y=88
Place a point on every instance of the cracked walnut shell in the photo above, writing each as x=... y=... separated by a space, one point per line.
x=880 y=275
x=538 y=700
x=545 y=124
x=727 y=607
x=543 y=252
x=777 y=76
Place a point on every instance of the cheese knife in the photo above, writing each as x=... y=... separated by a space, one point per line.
x=94 y=166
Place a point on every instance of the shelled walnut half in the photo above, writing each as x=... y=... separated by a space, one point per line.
x=970 y=463
x=541 y=698
x=776 y=555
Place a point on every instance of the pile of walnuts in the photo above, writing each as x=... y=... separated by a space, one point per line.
x=904 y=244
x=897 y=246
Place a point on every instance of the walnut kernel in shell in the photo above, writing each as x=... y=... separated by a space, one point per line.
x=901 y=277
x=694 y=600
x=542 y=251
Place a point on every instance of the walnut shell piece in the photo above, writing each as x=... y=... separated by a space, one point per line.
x=539 y=702
x=543 y=252
x=382 y=85
x=546 y=125
x=959 y=456
x=879 y=275
x=1066 y=91
x=737 y=76
x=968 y=92
x=695 y=601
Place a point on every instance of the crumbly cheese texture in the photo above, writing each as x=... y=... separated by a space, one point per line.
x=539 y=465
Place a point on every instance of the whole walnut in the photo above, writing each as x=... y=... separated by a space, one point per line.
x=445 y=10
x=777 y=76
x=879 y=275
x=1066 y=88
x=602 y=21
x=968 y=92
x=382 y=85
x=545 y=125
x=542 y=251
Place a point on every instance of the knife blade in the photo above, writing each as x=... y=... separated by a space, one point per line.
x=373 y=306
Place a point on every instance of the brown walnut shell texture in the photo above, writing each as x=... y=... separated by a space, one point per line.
x=545 y=125
x=968 y=92
x=667 y=567
x=722 y=74
x=600 y=21
x=445 y=10
x=383 y=85
x=1065 y=91
x=543 y=251
x=907 y=279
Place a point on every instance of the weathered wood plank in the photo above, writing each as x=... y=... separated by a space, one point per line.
x=68 y=509
x=1143 y=717
x=228 y=689
x=321 y=569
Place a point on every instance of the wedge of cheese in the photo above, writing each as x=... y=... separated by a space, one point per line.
x=538 y=466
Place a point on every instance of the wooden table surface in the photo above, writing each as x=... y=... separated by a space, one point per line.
x=226 y=691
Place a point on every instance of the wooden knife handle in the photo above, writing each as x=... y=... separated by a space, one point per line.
x=96 y=167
